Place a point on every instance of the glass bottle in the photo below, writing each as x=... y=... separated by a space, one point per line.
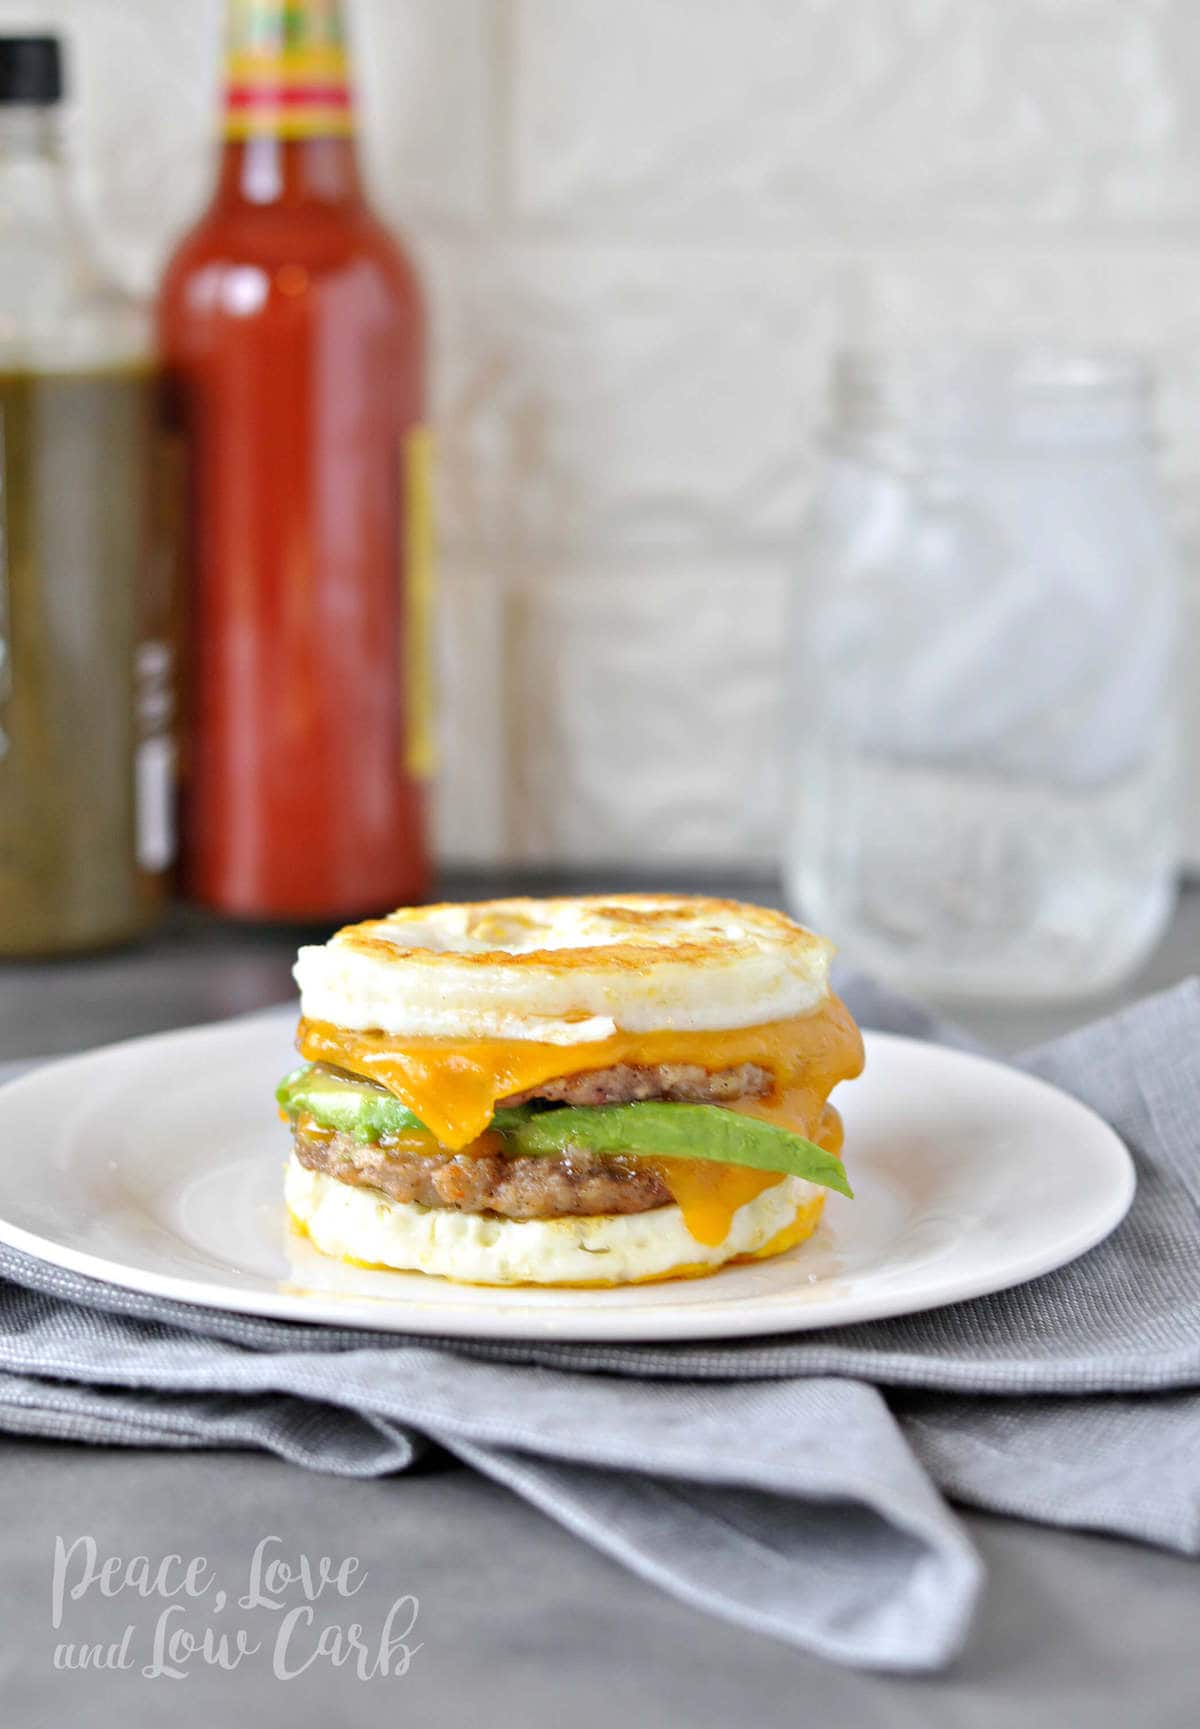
x=983 y=789
x=86 y=825
x=294 y=337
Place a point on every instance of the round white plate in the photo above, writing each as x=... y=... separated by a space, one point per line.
x=158 y=1165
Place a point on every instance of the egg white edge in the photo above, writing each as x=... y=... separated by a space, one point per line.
x=360 y=1224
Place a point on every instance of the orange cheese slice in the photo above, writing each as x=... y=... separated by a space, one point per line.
x=455 y=1085
x=709 y=1195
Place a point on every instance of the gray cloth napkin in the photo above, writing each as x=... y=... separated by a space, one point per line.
x=796 y=1485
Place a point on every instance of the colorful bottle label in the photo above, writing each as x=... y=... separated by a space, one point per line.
x=286 y=70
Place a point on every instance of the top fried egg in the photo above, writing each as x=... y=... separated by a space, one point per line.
x=566 y=971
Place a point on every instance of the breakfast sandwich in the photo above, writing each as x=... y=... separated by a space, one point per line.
x=589 y=1091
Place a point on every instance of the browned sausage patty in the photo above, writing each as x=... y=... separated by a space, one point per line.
x=517 y=1188
x=627 y=1083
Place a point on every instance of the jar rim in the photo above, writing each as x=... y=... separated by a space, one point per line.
x=961 y=393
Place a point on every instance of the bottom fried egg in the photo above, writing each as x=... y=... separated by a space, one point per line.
x=363 y=1225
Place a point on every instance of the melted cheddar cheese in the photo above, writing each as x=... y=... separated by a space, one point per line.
x=455 y=1085
x=708 y=1195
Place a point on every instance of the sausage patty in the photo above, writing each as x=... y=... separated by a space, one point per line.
x=578 y=1183
x=628 y=1083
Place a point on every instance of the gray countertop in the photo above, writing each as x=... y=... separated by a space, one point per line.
x=519 y=1623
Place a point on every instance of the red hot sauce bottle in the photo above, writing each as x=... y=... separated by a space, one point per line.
x=292 y=330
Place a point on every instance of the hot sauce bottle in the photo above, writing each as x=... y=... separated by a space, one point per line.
x=292 y=330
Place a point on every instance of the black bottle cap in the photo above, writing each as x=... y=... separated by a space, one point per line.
x=31 y=70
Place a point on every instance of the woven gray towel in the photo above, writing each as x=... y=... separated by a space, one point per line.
x=795 y=1485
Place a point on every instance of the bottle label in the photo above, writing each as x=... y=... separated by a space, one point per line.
x=417 y=495
x=286 y=70
x=154 y=804
x=154 y=760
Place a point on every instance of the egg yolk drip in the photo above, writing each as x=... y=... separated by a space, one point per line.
x=454 y=1086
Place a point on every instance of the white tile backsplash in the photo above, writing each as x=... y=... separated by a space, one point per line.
x=648 y=714
x=471 y=796
x=851 y=116
x=427 y=75
x=595 y=398
x=645 y=224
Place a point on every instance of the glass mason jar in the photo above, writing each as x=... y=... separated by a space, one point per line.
x=981 y=728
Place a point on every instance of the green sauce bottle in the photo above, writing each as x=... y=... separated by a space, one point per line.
x=86 y=681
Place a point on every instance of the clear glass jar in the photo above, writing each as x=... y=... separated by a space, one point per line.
x=981 y=721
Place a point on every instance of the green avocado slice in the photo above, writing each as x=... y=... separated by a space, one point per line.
x=361 y=1108
x=678 y=1132
x=539 y=1131
x=350 y=1107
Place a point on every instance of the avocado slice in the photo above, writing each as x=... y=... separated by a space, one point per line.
x=677 y=1131
x=357 y=1107
x=649 y=1127
x=350 y=1107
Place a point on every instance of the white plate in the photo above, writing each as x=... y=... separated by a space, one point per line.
x=158 y=1164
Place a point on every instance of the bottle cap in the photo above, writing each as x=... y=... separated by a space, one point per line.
x=31 y=70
